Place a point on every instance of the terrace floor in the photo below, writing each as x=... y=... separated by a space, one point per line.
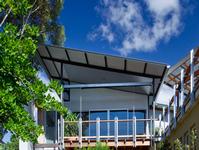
x=141 y=143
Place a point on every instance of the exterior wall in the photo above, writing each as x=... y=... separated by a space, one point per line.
x=25 y=145
x=103 y=99
x=186 y=124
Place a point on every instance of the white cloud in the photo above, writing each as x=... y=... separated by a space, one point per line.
x=129 y=25
x=163 y=7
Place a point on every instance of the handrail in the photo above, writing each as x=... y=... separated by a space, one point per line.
x=116 y=136
x=122 y=120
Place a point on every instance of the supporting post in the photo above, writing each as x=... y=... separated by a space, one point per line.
x=61 y=117
x=80 y=103
x=58 y=131
x=151 y=129
x=174 y=104
x=98 y=129
x=192 y=75
x=182 y=91
x=160 y=119
x=116 y=131
x=80 y=132
x=147 y=117
x=154 y=108
x=134 y=130
x=154 y=118
x=62 y=126
x=163 y=115
x=168 y=116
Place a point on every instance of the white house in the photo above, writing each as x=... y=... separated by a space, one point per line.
x=114 y=98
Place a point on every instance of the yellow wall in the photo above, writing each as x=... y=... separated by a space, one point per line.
x=189 y=120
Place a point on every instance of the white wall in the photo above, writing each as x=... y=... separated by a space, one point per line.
x=102 y=99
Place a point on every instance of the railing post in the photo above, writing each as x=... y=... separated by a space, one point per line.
x=168 y=116
x=151 y=130
x=182 y=91
x=160 y=119
x=116 y=131
x=98 y=129
x=174 y=104
x=134 y=131
x=154 y=103
x=63 y=145
x=80 y=132
x=163 y=115
x=192 y=75
x=58 y=131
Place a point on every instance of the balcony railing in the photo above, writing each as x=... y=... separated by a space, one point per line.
x=131 y=132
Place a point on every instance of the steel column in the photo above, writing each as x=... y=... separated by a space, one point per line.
x=182 y=91
x=174 y=104
x=192 y=75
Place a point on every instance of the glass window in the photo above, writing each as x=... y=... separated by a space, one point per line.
x=85 y=126
x=50 y=126
x=103 y=125
x=140 y=126
x=122 y=126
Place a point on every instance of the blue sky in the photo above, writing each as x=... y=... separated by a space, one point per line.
x=157 y=30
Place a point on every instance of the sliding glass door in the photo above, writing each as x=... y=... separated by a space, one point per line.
x=103 y=125
x=122 y=126
x=107 y=128
x=140 y=125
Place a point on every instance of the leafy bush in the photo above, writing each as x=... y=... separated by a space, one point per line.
x=99 y=146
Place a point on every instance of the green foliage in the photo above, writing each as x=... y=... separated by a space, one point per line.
x=164 y=145
x=193 y=139
x=18 y=7
x=71 y=128
x=19 y=84
x=178 y=145
x=192 y=145
x=99 y=146
x=42 y=13
x=12 y=145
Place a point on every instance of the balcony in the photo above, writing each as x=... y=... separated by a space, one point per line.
x=114 y=133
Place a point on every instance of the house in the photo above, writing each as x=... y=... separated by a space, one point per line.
x=113 y=97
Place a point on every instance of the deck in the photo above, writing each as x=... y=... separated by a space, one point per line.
x=116 y=140
x=125 y=142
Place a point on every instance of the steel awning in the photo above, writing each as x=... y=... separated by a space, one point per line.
x=87 y=67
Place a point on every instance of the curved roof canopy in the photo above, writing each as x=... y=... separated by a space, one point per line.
x=80 y=66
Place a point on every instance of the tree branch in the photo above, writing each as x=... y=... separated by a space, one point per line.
x=5 y=17
x=27 y=18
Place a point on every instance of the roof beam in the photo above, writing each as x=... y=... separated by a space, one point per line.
x=86 y=57
x=105 y=85
x=102 y=68
x=53 y=61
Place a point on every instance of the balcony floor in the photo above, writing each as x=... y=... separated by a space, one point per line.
x=141 y=143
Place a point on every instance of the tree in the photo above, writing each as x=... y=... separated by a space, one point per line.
x=44 y=14
x=19 y=84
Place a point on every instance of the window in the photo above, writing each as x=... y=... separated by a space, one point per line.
x=107 y=128
x=103 y=125
x=122 y=126
x=140 y=126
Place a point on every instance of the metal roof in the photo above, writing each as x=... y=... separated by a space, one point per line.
x=89 y=67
